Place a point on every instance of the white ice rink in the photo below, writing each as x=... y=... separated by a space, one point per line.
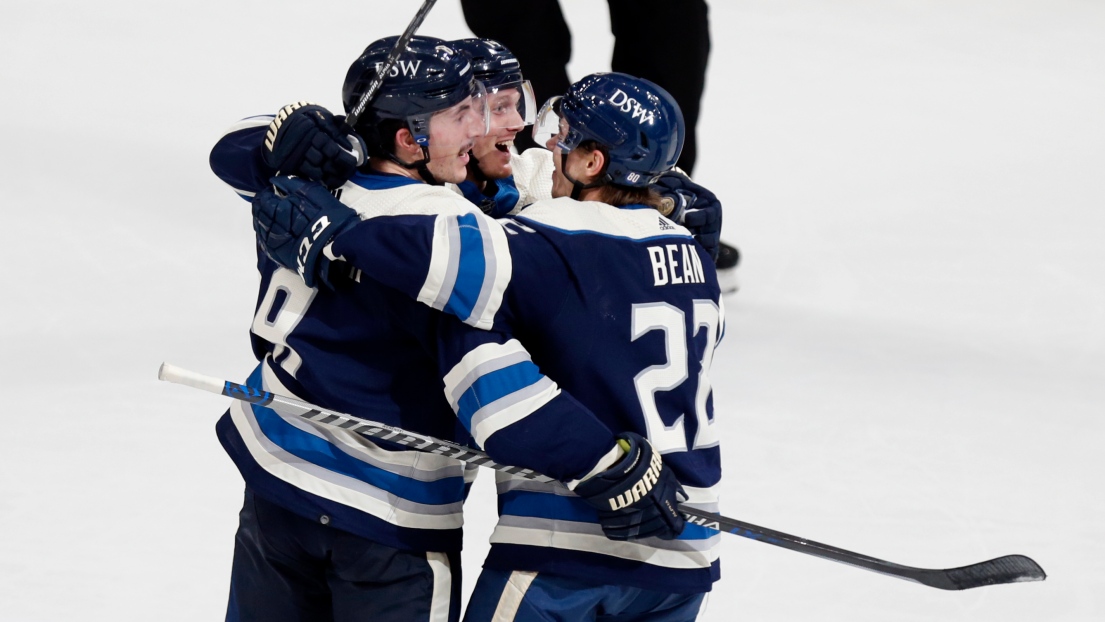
x=914 y=367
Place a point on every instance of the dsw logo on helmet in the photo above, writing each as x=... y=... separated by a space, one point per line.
x=622 y=101
x=406 y=67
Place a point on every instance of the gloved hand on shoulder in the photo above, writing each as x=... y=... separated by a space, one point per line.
x=695 y=207
x=308 y=141
x=295 y=220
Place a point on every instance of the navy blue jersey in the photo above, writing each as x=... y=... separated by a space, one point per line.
x=370 y=351
x=623 y=309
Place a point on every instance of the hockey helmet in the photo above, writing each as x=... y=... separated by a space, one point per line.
x=637 y=122
x=429 y=76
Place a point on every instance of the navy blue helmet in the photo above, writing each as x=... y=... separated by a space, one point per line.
x=637 y=122
x=428 y=77
x=494 y=65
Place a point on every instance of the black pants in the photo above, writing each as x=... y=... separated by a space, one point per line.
x=291 y=569
x=665 y=41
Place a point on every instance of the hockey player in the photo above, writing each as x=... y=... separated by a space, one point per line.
x=613 y=300
x=334 y=526
x=493 y=163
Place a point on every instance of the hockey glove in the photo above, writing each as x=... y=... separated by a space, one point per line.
x=696 y=208
x=295 y=220
x=638 y=497
x=306 y=140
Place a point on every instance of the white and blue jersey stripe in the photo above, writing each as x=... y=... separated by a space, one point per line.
x=470 y=270
x=405 y=499
x=496 y=385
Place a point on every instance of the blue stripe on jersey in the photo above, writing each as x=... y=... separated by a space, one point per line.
x=558 y=507
x=540 y=505
x=494 y=386
x=315 y=450
x=313 y=507
x=472 y=268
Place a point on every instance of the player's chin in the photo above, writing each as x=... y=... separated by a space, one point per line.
x=559 y=189
x=496 y=172
x=458 y=172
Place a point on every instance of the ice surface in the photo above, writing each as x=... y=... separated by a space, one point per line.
x=914 y=366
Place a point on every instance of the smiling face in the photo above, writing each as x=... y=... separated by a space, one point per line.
x=452 y=133
x=493 y=151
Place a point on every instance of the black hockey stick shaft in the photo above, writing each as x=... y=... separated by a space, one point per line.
x=383 y=70
x=1008 y=569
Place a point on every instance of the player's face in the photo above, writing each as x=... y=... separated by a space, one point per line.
x=493 y=151
x=453 y=133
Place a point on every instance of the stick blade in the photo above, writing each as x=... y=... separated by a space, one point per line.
x=1008 y=569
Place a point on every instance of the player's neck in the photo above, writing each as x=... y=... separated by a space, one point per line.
x=591 y=194
x=385 y=165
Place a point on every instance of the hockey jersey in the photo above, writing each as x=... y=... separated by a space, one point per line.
x=622 y=308
x=372 y=352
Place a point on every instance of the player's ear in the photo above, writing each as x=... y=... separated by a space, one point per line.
x=594 y=161
x=405 y=146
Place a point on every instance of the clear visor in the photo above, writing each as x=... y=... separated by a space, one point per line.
x=550 y=124
x=512 y=106
x=455 y=126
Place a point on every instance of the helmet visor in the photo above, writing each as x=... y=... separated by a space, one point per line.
x=511 y=106
x=551 y=124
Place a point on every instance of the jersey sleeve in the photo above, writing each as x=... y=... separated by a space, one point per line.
x=236 y=158
x=513 y=411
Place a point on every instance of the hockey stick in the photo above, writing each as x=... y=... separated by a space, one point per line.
x=1008 y=569
x=384 y=69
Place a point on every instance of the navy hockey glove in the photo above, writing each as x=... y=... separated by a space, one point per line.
x=306 y=140
x=295 y=220
x=696 y=208
x=638 y=497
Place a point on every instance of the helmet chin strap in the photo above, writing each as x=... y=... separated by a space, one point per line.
x=421 y=166
x=577 y=186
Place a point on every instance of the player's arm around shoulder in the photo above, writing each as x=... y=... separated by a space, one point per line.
x=436 y=247
x=236 y=157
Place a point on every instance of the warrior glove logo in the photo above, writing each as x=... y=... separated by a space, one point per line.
x=641 y=487
x=622 y=101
